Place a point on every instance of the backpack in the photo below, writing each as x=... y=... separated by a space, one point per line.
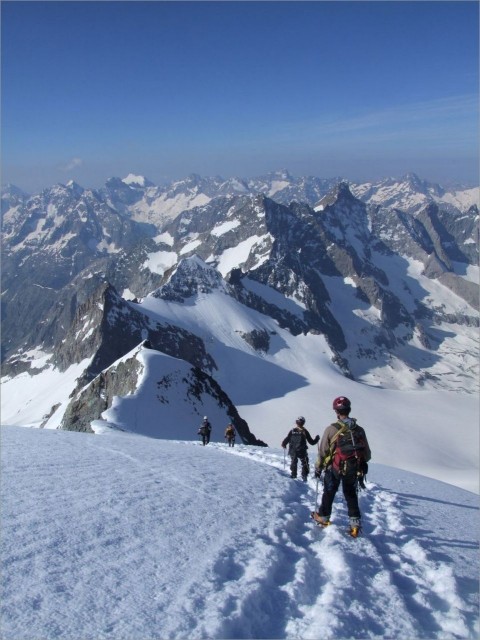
x=349 y=451
x=205 y=428
x=298 y=441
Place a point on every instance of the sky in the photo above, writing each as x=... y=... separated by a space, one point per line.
x=92 y=90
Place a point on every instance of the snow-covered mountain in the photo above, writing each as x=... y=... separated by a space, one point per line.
x=243 y=305
x=143 y=201
x=411 y=194
x=12 y=197
x=123 y=537
x=238 y=352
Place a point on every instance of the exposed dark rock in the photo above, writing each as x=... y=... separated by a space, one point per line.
x=92 y=401
x=109 y=327
x=258 y=339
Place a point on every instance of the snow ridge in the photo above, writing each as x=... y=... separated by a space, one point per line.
x=180 y=540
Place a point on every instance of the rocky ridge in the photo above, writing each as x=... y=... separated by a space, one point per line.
x=382 y=285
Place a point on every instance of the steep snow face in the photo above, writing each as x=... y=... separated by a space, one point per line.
x=462 y=199
x=444 y=354
x=235 y=257
x=173 y=396
x=109 y=552
x=225 y=227
x=166 y=207
x=216 y=316
x=277 y=185
x=138 y=181
x=29 y=399
x=159 y=261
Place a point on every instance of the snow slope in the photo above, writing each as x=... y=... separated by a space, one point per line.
x=126 y=537
x=433 y=432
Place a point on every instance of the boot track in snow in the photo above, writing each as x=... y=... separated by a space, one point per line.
x=385 y=574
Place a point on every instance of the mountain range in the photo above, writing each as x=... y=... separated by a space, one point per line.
x=270 y=278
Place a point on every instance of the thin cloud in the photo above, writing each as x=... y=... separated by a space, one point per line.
x=72 y=164
x=392 y=121
x=443 y=122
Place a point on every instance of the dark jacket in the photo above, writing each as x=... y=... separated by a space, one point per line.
x=297 y=439
x=205 y=428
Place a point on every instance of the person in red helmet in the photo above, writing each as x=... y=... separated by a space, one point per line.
x=343 y=454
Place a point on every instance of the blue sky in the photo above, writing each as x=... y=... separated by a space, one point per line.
x=92 y=90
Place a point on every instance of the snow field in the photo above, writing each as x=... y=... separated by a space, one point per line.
x=122 y=536
x=295 y=377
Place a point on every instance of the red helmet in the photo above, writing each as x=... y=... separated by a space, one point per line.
x=342 y=404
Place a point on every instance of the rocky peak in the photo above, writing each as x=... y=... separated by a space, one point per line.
x=340 y=194
x=345 y=219
x=191 y=276
x=75 y=188
x=120 y=194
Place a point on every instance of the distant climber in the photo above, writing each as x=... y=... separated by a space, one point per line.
x=205 y=430
x=297 y=439
x=343 y=454
x=230 y=435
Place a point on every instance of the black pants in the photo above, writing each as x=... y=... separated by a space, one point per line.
x=231 y=442
x=206 y=438
x=294 y=464
x=331 y=483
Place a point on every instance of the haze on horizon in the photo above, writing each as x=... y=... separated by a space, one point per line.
x=362 y=90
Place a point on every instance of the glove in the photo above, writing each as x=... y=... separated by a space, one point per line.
x=318 y=473
x=362 y=472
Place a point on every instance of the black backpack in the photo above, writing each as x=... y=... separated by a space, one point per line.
x=205 y=428
x=298 y=441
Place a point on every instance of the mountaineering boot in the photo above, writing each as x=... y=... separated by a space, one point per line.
x=355 y=527
x=320 y=520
